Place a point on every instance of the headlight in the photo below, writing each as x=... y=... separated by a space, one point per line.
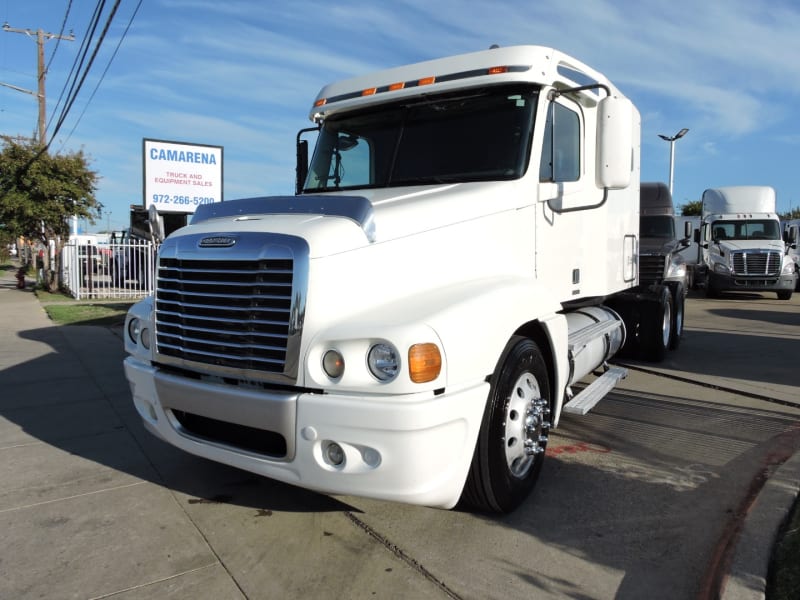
x=721 y=268
x=145 y=337
x=383 y=362
x=788 y=268
x=677 y=267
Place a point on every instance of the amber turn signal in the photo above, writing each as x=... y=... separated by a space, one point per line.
x=424 y=362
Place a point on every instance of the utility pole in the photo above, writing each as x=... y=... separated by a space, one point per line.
x=41 y=38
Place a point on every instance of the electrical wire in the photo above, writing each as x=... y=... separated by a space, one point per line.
x=108 y=65
x=80 y=57
x=68 y=104
x=60 y=33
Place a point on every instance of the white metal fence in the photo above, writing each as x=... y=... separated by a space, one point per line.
x=115 y=270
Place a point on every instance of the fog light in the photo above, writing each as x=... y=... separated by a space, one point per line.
x=334 y=454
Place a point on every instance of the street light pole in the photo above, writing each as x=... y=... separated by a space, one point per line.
x=671 y=140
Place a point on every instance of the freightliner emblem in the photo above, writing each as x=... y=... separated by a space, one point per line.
x=218 y=241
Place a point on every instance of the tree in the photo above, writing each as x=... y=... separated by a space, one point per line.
x=791 y=215
x=39 y=193
x=691 y=209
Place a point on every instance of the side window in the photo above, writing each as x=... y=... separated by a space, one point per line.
x=561 y=150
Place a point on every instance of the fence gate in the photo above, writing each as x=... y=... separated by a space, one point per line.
x=115 y=270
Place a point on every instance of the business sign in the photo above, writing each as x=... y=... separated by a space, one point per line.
x=180 y=177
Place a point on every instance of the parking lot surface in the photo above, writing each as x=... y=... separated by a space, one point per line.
x=672 y=487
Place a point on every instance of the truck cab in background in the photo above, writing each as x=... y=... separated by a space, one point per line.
x=741 y=243
x=661 y=267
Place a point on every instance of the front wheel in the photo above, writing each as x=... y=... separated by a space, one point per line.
x=656 y=326
x=678 y=305
x=511 y=443
x=785 y=295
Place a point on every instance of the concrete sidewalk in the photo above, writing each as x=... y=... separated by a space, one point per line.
x=82 y=510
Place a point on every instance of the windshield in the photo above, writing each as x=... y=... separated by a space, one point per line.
x=474 y=135
x=657 y=227
x=746 y=230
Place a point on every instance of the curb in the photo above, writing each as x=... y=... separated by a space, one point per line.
x=747 y=577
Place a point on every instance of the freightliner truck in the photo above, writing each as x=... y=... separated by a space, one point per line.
x=413 y=322
x=661 y=264
x=742 y=247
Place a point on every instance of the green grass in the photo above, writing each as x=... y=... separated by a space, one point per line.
x=65 y=310
x=784 y=581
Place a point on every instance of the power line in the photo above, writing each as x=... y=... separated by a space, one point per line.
x=77 y=63
x=94 y=91
x=73 y=96
x=61 y=32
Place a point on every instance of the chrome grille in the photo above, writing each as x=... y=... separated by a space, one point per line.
x=756 y=263
x=651 y=268
x=229 y=314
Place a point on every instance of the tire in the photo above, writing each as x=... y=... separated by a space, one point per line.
x=678 y=305
x=785 y=295
x=711 y=291
x=655 y=329
x=513 y=436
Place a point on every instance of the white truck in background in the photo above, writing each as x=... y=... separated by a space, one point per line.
x=791 y=234
x=741 y=245
x=411 y=324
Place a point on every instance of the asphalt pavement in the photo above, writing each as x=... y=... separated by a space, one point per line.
x=85 y=512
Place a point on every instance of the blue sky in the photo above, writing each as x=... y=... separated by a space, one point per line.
x=242 y=74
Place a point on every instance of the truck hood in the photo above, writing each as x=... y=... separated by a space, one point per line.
x=740 y=245
x=657 y=245
x=338 y=222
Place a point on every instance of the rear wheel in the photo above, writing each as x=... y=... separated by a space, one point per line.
x=511 y=443
x=656 y=326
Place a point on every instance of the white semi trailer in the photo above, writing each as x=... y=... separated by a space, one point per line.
x=741 y=242
x=412 y=323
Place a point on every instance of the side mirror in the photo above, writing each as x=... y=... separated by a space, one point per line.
x=155 y=222
x=687 y=229
x=696 y=235
x=616 y=120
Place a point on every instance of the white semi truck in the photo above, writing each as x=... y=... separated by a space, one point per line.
x=741 y=244
x=412 y=323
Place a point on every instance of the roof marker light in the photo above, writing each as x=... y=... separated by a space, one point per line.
x=426 y=81
x=369 y=92
x=397 y=86
x=497 y=70
x=321 y=102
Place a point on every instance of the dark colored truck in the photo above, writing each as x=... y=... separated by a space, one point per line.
x=661 y=266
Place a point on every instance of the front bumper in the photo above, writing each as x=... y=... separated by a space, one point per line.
x=756 y=284
x=413 y=449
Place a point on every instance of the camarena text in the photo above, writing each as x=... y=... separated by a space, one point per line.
x=203 y=158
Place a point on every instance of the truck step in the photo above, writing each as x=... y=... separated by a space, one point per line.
x=596 y=391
